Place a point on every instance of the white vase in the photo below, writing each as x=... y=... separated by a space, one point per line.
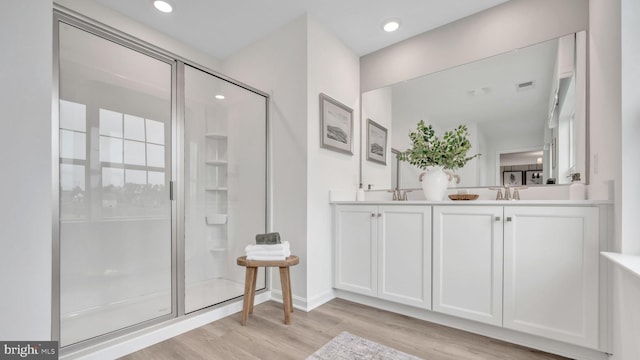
x=434 y=183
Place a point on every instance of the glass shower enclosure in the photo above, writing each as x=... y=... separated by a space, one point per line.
x=224 y=187
x=161 y=183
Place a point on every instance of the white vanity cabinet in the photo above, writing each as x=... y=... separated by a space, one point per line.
x=356 y=249
x=532 y=268
x=467 y=262
x=384 y=251
x=551 y=257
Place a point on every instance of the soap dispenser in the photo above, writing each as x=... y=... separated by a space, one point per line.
x=360 y=193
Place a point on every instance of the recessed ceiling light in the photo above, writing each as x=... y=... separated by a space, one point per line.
x=163 y=6
x=391 y=25
x=220 y=97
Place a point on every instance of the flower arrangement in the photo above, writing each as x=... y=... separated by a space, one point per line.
x=450 y=152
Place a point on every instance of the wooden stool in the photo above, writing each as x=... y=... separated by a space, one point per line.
x=250 y=283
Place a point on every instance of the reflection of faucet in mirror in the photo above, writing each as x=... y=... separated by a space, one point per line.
x=509 y=104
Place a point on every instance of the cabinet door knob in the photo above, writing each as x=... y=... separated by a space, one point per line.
x=379 y=215
x=508 y=218
x=497 y=218
x=373 y=215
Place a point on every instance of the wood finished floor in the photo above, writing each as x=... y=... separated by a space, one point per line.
x=266 y=337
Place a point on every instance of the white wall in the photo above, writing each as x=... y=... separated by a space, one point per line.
x=614 y=129
x=604 y=101
x=295 y=64
x=277 y=64
x=626 y=315
x=25 y=184
x=630 y=75
x=333 y=69
x=508 y=26
x=377 y=106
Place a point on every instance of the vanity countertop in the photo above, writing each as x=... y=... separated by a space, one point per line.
x=448 y=202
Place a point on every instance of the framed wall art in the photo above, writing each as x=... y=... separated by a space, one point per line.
x=336 y=125
x=512 y=178
x=376 y=142
x=533 y=177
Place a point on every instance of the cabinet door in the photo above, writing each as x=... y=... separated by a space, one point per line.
x=467 y=262
x=551 y=272
x=404 y=255
x=356 y=249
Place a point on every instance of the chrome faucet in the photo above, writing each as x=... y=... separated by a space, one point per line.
x=507 y=192
x=396 y=194
x=516 y=193
x=399 y=195
x=499 y=194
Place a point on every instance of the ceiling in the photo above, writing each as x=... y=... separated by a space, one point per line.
x=221 y=28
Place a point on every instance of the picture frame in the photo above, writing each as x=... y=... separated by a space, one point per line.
x=336 y=125
x=533 y=177
x=376 y=142
x=512 y=178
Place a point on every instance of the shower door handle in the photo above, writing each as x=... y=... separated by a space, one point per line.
x=171 y=190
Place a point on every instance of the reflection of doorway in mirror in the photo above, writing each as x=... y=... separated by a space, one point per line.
x=523 y=162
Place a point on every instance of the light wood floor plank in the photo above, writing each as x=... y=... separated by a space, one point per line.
x=266 y=337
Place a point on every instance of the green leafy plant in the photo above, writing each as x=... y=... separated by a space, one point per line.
x=450 y=152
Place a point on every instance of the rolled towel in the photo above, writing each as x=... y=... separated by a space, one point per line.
x=268 y=238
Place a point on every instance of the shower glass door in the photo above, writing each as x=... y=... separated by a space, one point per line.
x=224 y=185
x=115 y=214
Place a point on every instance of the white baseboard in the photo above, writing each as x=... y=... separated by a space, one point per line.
x=133 y=342
x=305 y=304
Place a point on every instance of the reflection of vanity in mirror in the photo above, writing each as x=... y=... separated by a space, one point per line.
x=525 y=111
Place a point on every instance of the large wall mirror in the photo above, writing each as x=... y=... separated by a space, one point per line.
x=525 y=110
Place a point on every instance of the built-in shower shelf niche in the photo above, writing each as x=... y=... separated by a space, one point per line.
x=216 y=172
x=217 y=162
x=216 y=189
x=216 y=148
x=216 y=219
x=218 y=250
x=216 y=136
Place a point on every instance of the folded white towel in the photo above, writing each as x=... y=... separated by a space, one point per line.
x=269 y=253
x=266 y=258
x=284 y=246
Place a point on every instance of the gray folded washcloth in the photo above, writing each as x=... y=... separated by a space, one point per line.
x=269 y=238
